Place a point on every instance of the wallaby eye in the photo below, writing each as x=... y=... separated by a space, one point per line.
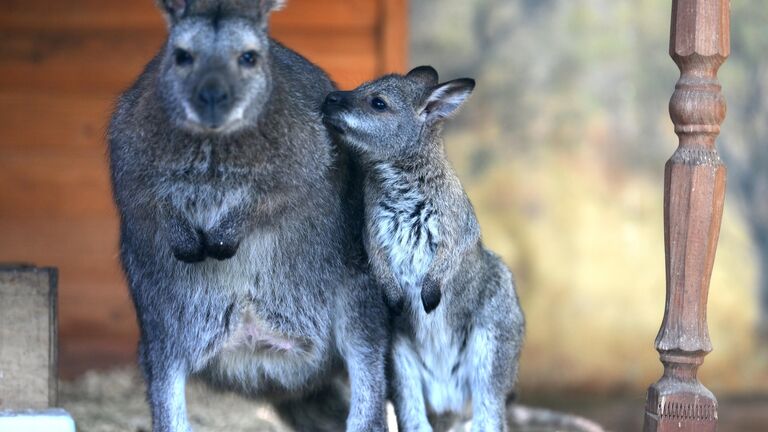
x=378 y=104
x=183 y=57
x=248 y=59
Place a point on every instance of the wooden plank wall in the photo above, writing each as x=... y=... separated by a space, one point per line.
x=62 y=64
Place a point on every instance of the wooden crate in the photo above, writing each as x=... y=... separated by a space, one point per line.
x=28 y=378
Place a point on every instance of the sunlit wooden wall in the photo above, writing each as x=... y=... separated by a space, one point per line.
x=62 y=64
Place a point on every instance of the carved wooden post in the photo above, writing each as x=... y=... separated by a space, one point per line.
x=694 y=189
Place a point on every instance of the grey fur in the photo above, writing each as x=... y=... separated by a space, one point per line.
x=241 y=241
x=424 y=243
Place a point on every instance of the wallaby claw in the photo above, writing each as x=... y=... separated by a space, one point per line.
x=221 y=250
x=189 y=255
x=395 y=303
x=187 y=245
x=430 y=295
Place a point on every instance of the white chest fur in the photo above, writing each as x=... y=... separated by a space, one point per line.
x=404 y=225
x=435 y=356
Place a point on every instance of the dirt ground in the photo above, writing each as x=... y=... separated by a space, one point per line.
x=114 y=402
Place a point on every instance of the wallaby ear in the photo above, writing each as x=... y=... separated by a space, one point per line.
x=173 y=9
x=266 y=7
x=443 y=100
x=426 y=75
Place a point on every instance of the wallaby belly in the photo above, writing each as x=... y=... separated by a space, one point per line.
x=442 y=366
x=261 y=350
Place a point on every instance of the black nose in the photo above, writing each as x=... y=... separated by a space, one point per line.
x=334 y=98
x=213 y=93
x=334 y=102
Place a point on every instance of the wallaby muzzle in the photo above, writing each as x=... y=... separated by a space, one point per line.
x=213 y=100
x=335 y=103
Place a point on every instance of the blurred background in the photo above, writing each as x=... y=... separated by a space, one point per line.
x=561 y=149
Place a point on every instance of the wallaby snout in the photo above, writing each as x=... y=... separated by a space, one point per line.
x=334 y=98
x=213 y=100
x=335 y=102
x=333 y=105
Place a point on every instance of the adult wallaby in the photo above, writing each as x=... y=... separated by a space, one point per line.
x=457 y=343
x=240 y=238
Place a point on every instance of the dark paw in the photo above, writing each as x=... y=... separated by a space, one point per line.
x=430 y=295
x=219 y=245
x=221 y=250
x=186 y=243
x=395 y=305
x=189 y=253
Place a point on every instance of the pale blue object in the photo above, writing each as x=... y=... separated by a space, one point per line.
x=52 y=420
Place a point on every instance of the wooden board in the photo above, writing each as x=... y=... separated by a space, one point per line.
x=74 y=124
x=93 y=300
x=327 y=15
x=74 y=185
x=27 y=337
x=88 y=62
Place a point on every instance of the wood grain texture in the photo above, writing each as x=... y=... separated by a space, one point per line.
x=28 y=338
x=74 y=124
x=141 y=14
x=62 y=64
x=58 y=61
x=694 y=192
x=394 y=41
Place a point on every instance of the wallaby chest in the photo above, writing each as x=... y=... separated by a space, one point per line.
x=204 y=181
x=403 y=222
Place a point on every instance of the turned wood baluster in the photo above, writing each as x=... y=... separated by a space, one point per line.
x=694 y=189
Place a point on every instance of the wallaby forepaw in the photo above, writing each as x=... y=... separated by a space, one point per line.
x=395 y=303
x=189 y=253
x=430 y=295
x=187 y=246
x=219 y=245
x=221 y=250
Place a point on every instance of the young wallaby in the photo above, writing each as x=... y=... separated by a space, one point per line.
x=240 y=236
x=423 y=242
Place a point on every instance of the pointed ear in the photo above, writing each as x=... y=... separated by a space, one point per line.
x=426 y=75
x=266 y=7
x=443 y=100
x=173 y=9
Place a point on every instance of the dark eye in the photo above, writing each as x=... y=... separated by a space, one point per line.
x=378 y=104
x=183 y=57
x=248 y=59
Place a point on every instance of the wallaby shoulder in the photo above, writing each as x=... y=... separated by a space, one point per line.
x=306 y=79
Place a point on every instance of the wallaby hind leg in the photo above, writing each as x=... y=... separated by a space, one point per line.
x=362 y=340
x=489 y=383
x=166 y=381
x=406 y=389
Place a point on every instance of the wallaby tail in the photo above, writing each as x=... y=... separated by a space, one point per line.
x=524 y=418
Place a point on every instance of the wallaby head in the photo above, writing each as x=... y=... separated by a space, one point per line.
x=214 y=74
x=392 y=116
